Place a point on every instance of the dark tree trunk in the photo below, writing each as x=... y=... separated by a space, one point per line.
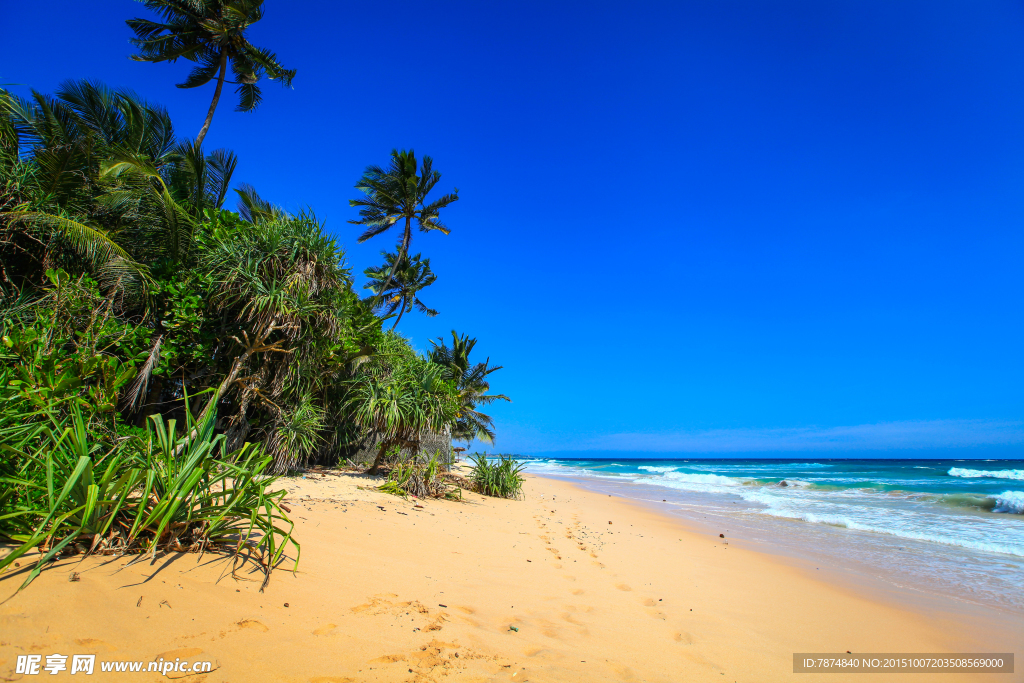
x=401 y=312
x=156 y=388
x=406 y=240
x=216 y=98
x=379 y=460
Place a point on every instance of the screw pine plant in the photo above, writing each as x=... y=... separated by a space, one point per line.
x=501 y=479
x=66 y=491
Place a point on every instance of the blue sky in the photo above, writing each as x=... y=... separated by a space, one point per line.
x=708 y=225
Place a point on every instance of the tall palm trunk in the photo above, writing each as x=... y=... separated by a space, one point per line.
x=401 y=312
x=216 y=97
x=401 y=254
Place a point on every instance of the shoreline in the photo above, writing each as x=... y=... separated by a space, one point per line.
x=388 y=591
x=997 y=620
x=900 y=534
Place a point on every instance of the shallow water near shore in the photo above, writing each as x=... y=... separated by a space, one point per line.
x=947 y=527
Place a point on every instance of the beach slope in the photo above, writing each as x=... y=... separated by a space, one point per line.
x=565 y=585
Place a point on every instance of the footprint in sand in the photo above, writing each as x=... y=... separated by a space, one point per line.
x=253 y=624
x=94 y=644
x=324 y=630
x=181 y=653
x=624 y=672
x=684 y=638
x=467 y=610
x=649 y=602
x=388 y=659
x=578 y=591
x=623 y=587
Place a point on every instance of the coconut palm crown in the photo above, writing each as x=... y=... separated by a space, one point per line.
x=398 y=194
x=470 y=379
x=411 y=277
x=212 y=34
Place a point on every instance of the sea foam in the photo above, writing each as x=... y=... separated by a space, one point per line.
x=717 y=479
x=1010 y=501
x=977 y=474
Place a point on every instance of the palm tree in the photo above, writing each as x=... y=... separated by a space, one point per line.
x=212 y=34
x=115 y=187
x=471 y=382
x=399 y=194
x=411 y=276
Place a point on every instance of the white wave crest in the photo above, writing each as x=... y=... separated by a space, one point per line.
x=716 y=479
x=1010 y=501
x=648 y=468
x=977 y=474
x=848 y=522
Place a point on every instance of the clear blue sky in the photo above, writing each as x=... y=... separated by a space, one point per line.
x=685 y=226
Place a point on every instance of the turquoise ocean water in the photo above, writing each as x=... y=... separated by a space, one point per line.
x=954 y=527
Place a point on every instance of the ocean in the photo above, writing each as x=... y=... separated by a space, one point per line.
x=950 y=527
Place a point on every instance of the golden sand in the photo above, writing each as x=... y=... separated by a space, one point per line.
x=566 y=585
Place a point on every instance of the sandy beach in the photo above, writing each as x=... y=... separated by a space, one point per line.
x=565 y=585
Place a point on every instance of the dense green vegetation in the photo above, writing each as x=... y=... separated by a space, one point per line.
x=501 y=477
x=165 y=357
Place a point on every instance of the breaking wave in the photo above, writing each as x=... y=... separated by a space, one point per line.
x=978 y=474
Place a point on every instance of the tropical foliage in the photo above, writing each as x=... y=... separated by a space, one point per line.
x=252 y=313
x=74 y=478
x=164 y=358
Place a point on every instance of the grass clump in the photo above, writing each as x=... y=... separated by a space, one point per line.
x=424 y=479
x=66 y=488
x=501 y=478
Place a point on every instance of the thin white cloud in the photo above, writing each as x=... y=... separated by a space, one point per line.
x=866 y=437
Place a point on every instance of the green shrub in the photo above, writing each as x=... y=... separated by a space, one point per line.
x=502 y=479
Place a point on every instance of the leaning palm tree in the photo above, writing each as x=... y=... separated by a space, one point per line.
x=470 y=380
x=212 y=34
x=411 y=277
x=398 y=194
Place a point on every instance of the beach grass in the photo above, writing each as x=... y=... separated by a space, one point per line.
x=501 y=479
x=68 y=491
